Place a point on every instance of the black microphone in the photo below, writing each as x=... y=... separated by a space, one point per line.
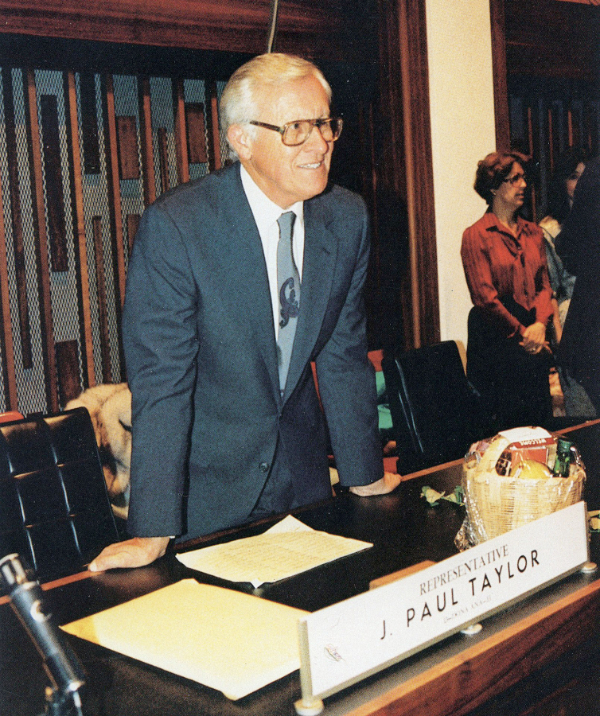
x=60 y=662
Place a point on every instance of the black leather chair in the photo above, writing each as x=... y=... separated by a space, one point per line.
x=54 y=507
x=436 y=413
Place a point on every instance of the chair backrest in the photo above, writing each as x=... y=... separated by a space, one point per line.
x=54 y=507
x=435 y=412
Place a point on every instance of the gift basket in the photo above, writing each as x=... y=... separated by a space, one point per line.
x=514 y=478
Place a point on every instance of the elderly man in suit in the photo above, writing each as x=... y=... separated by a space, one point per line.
x=236 y=284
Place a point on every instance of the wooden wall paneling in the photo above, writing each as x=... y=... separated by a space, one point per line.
x=132 y=223
x=591 y=126
x=81 y=258
x=146 y=141
x=214 y=154
x=102 y=300
x=39 y=219
x=305 y=27
x=419 y=171
x=163 y=159
x=90 y=138
x=67 y=358
x=501 y=110
x=181 y=132
x=127 y=145
x=17 y=222
x=114 y=198
x=6 y=339
x=196 y=133
x=55 y=203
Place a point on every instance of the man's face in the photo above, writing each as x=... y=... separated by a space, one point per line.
x=289 y=174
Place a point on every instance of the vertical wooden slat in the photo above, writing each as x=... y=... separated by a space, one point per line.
x=146 y=142
x=419 y=171
x=132 y=223
x=114 y=198
x=102 y=300
x=196 y=137
x=127 y=145
x=81 y=259
x=17 y=222
x=551 y=154
x=55 y=203
x=39 y=218
x=67 y=358
x=163 y=159
x=181 y=143
x=214 y=154
x=531 y=150
x=89 y=124
x=6 y=339
x=569 y=127
x=501 y=111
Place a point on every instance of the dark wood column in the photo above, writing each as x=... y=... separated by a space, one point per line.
x=500 y=78
x=405 y=166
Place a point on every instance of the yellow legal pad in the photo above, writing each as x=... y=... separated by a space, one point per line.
x=233 y=642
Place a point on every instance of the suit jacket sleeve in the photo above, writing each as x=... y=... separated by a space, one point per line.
x=160 y=343
x=347 y=382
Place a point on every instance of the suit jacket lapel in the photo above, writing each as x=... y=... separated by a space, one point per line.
x=248 y=269
x=320 y=254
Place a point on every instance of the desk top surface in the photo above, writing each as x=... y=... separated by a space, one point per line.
x=404 y=529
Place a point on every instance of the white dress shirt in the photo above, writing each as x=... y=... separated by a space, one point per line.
x=266 y=213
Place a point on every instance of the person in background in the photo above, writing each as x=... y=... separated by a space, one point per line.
x=569 y=167
x=578 y=245
x=503 y=255
x=226 y=422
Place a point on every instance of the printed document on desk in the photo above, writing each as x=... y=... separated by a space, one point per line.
x=288 y=548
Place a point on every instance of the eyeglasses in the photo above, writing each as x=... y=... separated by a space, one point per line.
x=515 y=179
x=297 y=132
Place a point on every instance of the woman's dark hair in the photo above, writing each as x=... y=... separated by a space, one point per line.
x=493 y=170
x=558 y=205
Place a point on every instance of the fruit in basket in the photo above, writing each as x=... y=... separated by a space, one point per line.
x=531 y=470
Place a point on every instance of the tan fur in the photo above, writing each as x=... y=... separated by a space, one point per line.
x=109 y=407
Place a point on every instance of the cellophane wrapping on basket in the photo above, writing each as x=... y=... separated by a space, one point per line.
x=497 y=503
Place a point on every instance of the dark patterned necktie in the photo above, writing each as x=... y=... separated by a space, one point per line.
x=288 y=281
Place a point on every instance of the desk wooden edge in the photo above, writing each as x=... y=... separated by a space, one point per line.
x=469 y=679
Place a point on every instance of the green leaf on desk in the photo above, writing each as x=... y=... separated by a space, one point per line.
x=433 y=496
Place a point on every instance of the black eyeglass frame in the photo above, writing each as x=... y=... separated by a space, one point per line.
x=318 y=123
x=514 y=180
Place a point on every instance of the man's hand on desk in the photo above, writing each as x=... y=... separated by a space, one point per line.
x=136 y=552
x=388 y=482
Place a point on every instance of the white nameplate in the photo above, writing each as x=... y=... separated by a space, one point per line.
x=341 y=644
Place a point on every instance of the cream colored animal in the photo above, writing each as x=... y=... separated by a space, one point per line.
x=109 y=406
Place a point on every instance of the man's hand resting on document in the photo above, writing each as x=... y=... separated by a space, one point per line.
x=136 y=552
x=388 y=482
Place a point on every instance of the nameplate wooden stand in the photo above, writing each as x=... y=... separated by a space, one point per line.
x=349 y=641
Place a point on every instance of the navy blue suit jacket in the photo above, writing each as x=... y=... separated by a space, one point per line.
x=201 y=359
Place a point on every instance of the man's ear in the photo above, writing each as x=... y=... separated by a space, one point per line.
x=240 y=140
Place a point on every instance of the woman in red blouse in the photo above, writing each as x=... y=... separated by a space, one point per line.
x=508 y=358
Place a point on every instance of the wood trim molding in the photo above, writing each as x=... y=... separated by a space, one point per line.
x=403 y=41
x=43 y=266
x=501 y=111
x=306 y=28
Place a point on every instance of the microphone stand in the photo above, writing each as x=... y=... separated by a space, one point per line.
x=60 y=662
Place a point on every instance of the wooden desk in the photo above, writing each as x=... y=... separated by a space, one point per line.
x=454 y=677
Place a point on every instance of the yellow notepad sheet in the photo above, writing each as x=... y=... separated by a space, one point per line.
x=287 y=549
x=233 y=642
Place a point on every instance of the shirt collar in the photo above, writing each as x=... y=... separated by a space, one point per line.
x=494 y=224
x=265 y=211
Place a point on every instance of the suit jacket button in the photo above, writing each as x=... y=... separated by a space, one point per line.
x=264 y=467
